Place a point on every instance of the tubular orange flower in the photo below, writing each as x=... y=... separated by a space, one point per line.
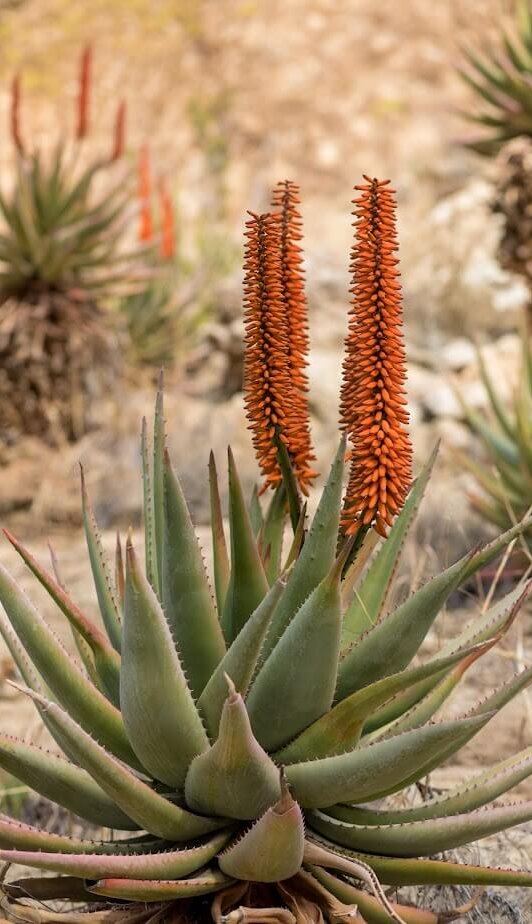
x=84 y=92
x=266 y=372
x=286 y=199
x=15 y=114
x=146 y=221
x=167 y=223
x=373 y=398
x=119 y=138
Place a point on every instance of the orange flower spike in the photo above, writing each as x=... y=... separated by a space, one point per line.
x=373 y=397
x=146 y=220
x=266 y=373
x=167 y=223
x=119 y=139
x=85 y=75
x=286 y=199
x=15 y=114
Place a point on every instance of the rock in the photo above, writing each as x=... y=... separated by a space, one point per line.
x=457 y=354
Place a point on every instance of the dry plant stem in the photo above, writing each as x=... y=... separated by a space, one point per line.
x=373 y=397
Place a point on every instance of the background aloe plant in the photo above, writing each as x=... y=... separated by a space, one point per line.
x=244 y=747
x=504 y=475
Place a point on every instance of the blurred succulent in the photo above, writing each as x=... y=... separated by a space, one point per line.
x=61 y=257
x=501 y=78
x=504 y=476
x=171 y=301
x=245 y=742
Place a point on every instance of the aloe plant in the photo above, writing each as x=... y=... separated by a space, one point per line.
x=239 y=750
x=504 y=475
x=500 y=79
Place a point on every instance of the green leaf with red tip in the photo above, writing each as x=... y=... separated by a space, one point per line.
x=370 y=598
x=187 y=602
x=339 y=729
x=166 y=864
x=158 y=890
x=317 y=555
x=284 y=698
x=100 y=572
x=61 y=781
x=150 y=550
x=106 y=659
x=272 y=849
x=141 y=803
x=66 y=681
x=483 y=788
x=235 y=777
x=393 y=642
x=160 y=717
x=375 y=770
x=240 y=660
x=422 y=838
x=248 y=583
x=220 y=557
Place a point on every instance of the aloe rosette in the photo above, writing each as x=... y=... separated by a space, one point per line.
x=237 y=749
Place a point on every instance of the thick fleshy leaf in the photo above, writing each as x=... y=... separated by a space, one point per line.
x=120 y=575
x=406 y=871
x=248 y=583
x=158 y=484
x=393 y=642
x=150 y=545
x=160 y=717
x=235 y=777
x=319 y=855
x=66 y=681
x=187 y=602
x=468 y=796
x=61 y=781
x=427 y=707
x=220 y=557
x=375 y=770
x=317 y=555
x=272 y=849
x=422 y=838
x=255 y=512
x=160 y=890
x=295 y=685
x=100 y=571
x=240 y=660
x=339 y=729
x=141 y=803
x=166 y=864
x=17 y=836
x=106 y=658
x=370 y=909
x=370 y=598
x=272 y=533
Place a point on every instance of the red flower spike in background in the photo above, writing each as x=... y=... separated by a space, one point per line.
x=266 y=373
x=85 y=75
x=15 y=114
x=146 y=221
x=286 y=199
x=167 y=223
x=119 y=140
x=373 y=399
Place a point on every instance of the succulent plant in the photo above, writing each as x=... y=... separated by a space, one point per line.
x=500 y=78
x=238 y=748
x=62 y=255
x=504 y=476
